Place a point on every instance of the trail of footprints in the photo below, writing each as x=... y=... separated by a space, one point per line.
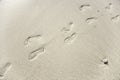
x=34 y=53
x=4 y=69
x=84 y=8
x=68 y=40
x=108 y=8
x=72 y=36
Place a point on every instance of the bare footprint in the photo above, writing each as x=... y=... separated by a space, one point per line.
x=115 y=18
x=31 y=39
x=71 y=38
x=35 y=53
x=109 y=7
x=5 y=69
x=91 y=20
x=84 y=7
x=68 y=28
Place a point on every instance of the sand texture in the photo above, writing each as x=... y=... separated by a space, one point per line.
x=59 y=39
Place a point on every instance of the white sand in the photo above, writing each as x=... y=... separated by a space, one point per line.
x=59 y=39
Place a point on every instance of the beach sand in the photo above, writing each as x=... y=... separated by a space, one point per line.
x=59 y=40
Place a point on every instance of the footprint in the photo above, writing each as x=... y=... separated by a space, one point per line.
x=115 y=18
x=71 y=38
x=109 y=7
x=32 y=39
x=84 y=7
x=68 y=28
x=91 y=20
x=35 y=53
x=5 y=69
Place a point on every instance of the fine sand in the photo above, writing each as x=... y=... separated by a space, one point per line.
x=59 y=39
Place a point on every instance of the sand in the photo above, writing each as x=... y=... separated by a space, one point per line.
x=59 y=40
